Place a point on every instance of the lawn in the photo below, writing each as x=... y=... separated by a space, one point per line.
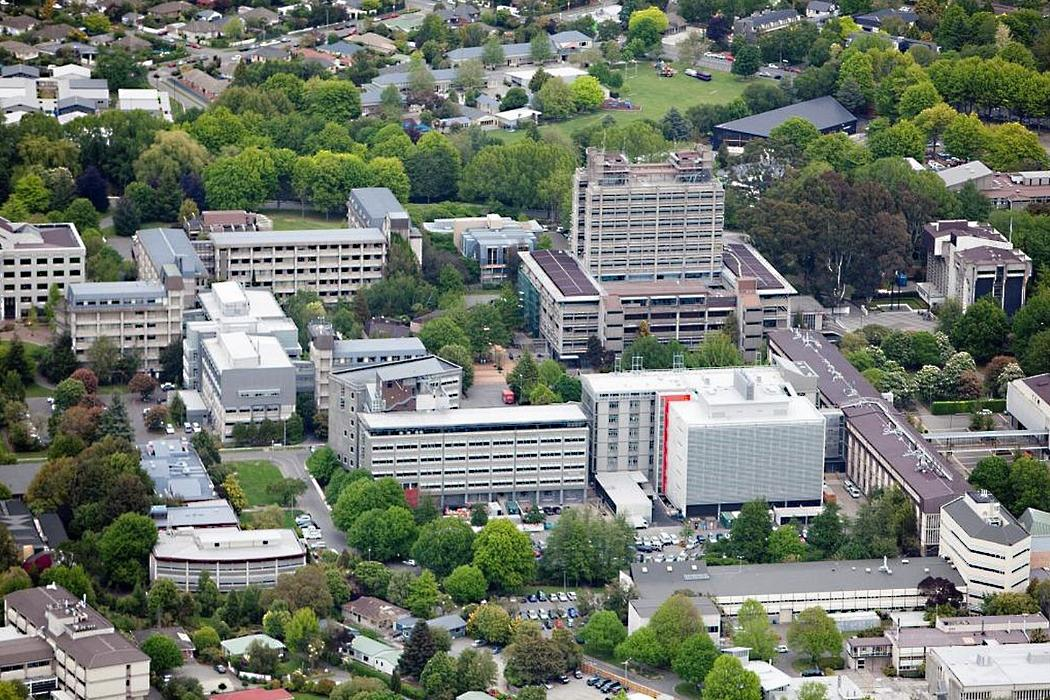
x=655 y=95
x=287 y=220
x=254 y=476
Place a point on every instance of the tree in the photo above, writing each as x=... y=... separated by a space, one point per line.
x=423 y=595
x=124 y=549
x=524 y=375
x=492 y=54
x=790 y=139
x=171 y=363
x=785 y=545
x=675 y=621
x=826 y=531
x=491 y=623
x=323 y=464
x=459 y=355
x=103 y=356
x=603 y=632
x=1009 y=604
x=466 y=584
x=365 y=494
x=332 y=100
x=695 y=658
x=504 y=555
x=306 y=588
x=74 y=579
x=582 y=546
x=92 y=186
x=514 y=98
x=476 y=670
x=747 y=59
x=206 y=638
x=177 y=409
x=814 y=634
x=555 y=99
x=647 y=26
x=479 y=515
x=587 y=93
x=433 y=168
x=982 y=330
x=302 y=629
x=142 y=384
x=729 y=680
x=531 y=659
x=418 y=650
x=540 y=48
x=442 y=332
x=754 y=631
x=68 y=393
x=992 y=474
x=163 y=602
x=440 y=677
x=373 y=577
x=163 y=653
x=443 y=545
x=244 y=180
x=532 y=692
x=751 y=531
x=119 y=68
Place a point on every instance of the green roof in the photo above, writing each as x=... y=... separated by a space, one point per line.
x=1037 y=522
x=239 y=645
x=376 y=650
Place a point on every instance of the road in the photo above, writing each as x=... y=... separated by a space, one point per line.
x=292 y=463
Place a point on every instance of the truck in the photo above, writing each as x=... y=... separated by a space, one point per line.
x=639 y=522
x=508 y=396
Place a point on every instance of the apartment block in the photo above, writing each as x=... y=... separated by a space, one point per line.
x=329 y=353
x=987 y=544
x=633 y=221
x=92 y=660
x=528 y=453
x=418 y=384
x=377 y=207
x=33 y=257
x=967 y=261
x=233 y=558
x=163 y=254
x=1028 y=402
x=246 y=379
x=333 y=263
x=142 y=316
x=27 y=660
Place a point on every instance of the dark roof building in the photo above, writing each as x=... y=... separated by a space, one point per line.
x=872 y=21
x=825 y=113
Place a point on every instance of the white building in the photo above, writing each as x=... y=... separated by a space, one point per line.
x=334 y=263
x=527 y=453
x=1017 y=671
x=33 y=257
x=987 y=544
x=233 y=558
x=149 y=100
x=1028 y=402
x=246 y=379
x=67 y=93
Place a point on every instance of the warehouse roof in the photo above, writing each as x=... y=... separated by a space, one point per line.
x=823 y=112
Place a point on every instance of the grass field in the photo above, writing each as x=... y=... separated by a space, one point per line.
x=287 y=220
x=254 y=476
x=655 y=95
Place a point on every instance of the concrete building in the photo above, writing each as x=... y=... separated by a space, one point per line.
x=987 y=544
x=92 y=661
x=967 y=261
x=33 y=257
x=377 y=207
x=145 y=317
x=525 y=453
x=418 y=384
x=334 y=263
x=1019 y=671
x=176 y=470
x=647 y=221
x=166 y=256
x=562 y=302
x=1028 y=402
x=246 y=379
x=27 y=660
x=825 y=113
x=489 y=240
x=330 y=353
x=233 y=558
x=455 y=625
x=1037 y=524
x=200 y=228
x=146 y=99
x=216 y=512
x=1017 y=190
x=740 y=435
x=629 y=494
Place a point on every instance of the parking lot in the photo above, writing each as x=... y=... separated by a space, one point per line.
x=550 y=608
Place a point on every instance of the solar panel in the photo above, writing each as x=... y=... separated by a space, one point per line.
x=748 y=265
x=564 y=272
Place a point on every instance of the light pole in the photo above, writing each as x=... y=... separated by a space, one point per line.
x=625 y=678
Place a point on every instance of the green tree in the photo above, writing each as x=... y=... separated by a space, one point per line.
x=491 y=623
x=443 y=545
x=785 y=545
x=234 y=493
x=647 y=26
x=384 y=534
x=965 y=137
x=423 y=595
x=556 y=100
x=492 y=53
x=418 y=650
x=982 y=330
x=433 y=168
x=1009 y=604
x=695 y=658
x=459 y=355
x=124 y=549
x=466 y=584
x=814 y=634
x=747 y=59
x=163 y=602
x=524 y=375
x=323 y=464
x=479 y=515
x=476 y=670
x=751 y=531
x=163 y=653
x=74 y=578
x=602 y=633
x=587 y=93
x=754 y=630
x=206 y=638
x=729 y=680
x=540 y=50
x=1029 y=485
x=441 y=332
x=373 y=577
x=302 y=629
x=440 y=677
x=336 y=101
x=826 y=531
x=675 y=621
x=790 y=139
x=504 y=555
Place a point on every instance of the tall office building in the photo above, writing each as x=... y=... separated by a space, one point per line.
x=638 y=221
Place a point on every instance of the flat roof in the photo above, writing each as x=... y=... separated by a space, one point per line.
x=564 y=272
x=479 y=418
x=238 y=350
x=319 y=236
x=227 y=544
x=648 y=381
x=744 y=260
x=822 y=112
x=748 y=395
x=839 y=381
x=374 y=346
x=171 y=246
x=396 y=370
x=111 y=291
x=996 y=666
x=200 y=514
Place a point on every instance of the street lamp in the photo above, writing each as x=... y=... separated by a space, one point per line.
x=625 y=678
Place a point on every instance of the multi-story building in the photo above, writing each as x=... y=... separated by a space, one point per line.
x=165 y=256
x=329 y=353
x=561 y=302
x=33 y=257
x=739 y=435
x=417 y=384
x=987 y=544
x=765 y=299
x=333 y=263
x=27 y=660
x=1028 y=402
x=142 y=316
x=492 y=241
x=764 y=22
x=246 y=379
x=535 y=454
x=200 y=228
x=1017 y=671
x=634 y=221
x=377 y=207
x=233 y=558
x=92 y=661
x=967 y=261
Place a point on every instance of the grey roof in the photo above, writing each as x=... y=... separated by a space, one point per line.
x=176 y=470
x=379 y=346
x=213 y=513
x=377 y=202
x=107 y=291
x=17 y=477
x=402 y=79
x=823 y=112
x=962 y=174
x=570 y=36
x=171 y=246
x=19 y=70
x=502 y=417
x=1007 y=532
x=395 y=370
x=819 y=6
x=342 y=48
x=1040 y=385
x=262 y=238
x=877 y=17
x=53 y=529
x=21 y=649
x=19 y=522
x=445 y=622
x=175 y=634
x=771 y=17
x=471 y=52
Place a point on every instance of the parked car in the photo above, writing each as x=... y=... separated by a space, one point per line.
x=782 y=649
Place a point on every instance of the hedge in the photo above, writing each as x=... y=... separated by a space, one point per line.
x=947 y=408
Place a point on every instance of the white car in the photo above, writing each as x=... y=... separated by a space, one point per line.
x=302 y=520
x=782 y=649
x=311 y=534
x=169 y=429
x=409 y=562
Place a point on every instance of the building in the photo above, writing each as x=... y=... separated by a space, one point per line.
x=35 y=538
x=1037 y=524
x=334 y=263
x=373 y=612
x=1010 y=671
x=145 y=317
x=176 y=634
x=238 y=646
x=147 y=99
x=629 y=494
x=1017 y=190
x=176 y=470
x=786 y=589
x=211 y=513
x=967 y=261
x=647 y=221
x=420 y=384
x=330 y=353
x=825 y=113
x=166 y=256
x=246 y=379
x=872 y=21
x=493 y=241
x=988 y=546
x=259 y=694
x=27 y=660
x=233 y=558
x=765 y=299
x=974 y=172
x=764 y=22
x=66 y=93
x=35 y=257
x=561 y=302
x=201 y=226
x=377 y=207
x=1028 y=402
x=455 y=625
x=381 y=657
x=526 y=453
x=92 y=661
x=740 y=435
x=513 y=54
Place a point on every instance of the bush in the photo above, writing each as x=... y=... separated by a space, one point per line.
x=947 y=408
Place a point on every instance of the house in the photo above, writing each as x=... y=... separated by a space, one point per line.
x=203 y=84
x=21 y=51
x=132 y=43
x=459 y=15
x=55 y=32
x=373 y=612
x=238 y=646
x=324 y=60
x=131 y=19
x=146 y=99
x=513 y=54
x=515 y=118
x=975 y=171
x=258 y=16
x=170 y=10
x=820 y=10
x=375 y=42
x=382 y=657
x=764 y=22
x=455 y=625
x=208 y=16
x=199 y=30
x=176 y=634
x=873 y=21
x=19 y=24
x=565 y=43
x=341 y=48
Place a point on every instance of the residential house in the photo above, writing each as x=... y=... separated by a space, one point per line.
x=572 y=41
x=170 y=10
x=375 y=42
x=17 y=25
x=176 y=634
x=382 y=657
x=236 y=647
x=203 y=84
x=147 y=99
x=373 y=612
x=764 y=22
x=21 y=51
x=459 y=15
